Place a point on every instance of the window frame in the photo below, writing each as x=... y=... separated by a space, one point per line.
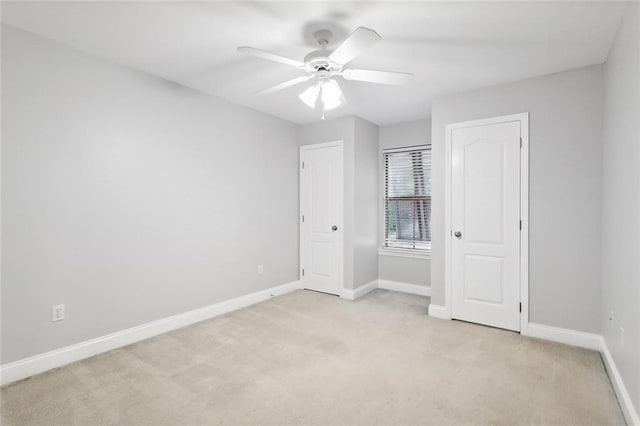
x=383 y=250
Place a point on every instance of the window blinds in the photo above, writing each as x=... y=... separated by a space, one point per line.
x=407 y=198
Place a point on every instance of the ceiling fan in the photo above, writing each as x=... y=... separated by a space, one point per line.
x=324 y=65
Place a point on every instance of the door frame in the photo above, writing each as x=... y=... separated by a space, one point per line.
x=523 y=118
x=303 y=149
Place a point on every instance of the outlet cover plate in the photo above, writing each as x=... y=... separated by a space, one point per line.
x=57 y=313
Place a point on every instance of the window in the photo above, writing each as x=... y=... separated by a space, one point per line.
x=407 y=198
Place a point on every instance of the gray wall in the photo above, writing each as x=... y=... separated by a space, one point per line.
x=565 y=188
x=360 y=183
x=409 y=133
x=621 y=203
x=365 y=242
x=129 y=198
x=395 y=268
x=405 y=270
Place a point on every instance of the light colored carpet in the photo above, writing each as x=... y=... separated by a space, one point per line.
x=310 y=358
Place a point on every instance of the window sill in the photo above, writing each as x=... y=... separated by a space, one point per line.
x=412 y=254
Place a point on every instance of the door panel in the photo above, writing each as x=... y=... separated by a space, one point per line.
x=321 y=170
x=483 y=178
x=321 y=203
x=485 y=209
x=484 y=279
x=321 y=259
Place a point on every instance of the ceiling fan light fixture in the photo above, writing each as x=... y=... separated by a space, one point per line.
x=328 y=91
x=310 y=96
x=331 y=94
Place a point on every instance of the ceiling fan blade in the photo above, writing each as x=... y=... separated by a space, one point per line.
x=263 y=54
x=382 y=77
x=356 y=43
x=286 y=84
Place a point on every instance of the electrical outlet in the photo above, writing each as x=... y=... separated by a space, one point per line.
x=621 y=337
x=57 y=312
x=260 y=269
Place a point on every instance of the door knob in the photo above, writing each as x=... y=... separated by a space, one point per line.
x=334 y=228
x=458 y=234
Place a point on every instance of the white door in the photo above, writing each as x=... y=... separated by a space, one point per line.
x=485 y=224
x=321 y=216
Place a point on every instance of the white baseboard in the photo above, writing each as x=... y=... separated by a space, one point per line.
x=438 y=311
x=405 y=287
x=386 y=285
x=27 y=367
x=629 y=411
x=567 y=336
x=360 y=291
x=594 y=342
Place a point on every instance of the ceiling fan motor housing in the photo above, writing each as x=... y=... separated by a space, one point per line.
x=318 y=60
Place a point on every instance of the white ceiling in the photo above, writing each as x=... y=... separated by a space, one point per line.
x=449 y=46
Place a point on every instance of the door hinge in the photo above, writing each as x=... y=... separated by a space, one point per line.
x=302 y=218
x=520 y=142
x=303 y=164
x=520 y=307
x=521 y=225
x=303 y=272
